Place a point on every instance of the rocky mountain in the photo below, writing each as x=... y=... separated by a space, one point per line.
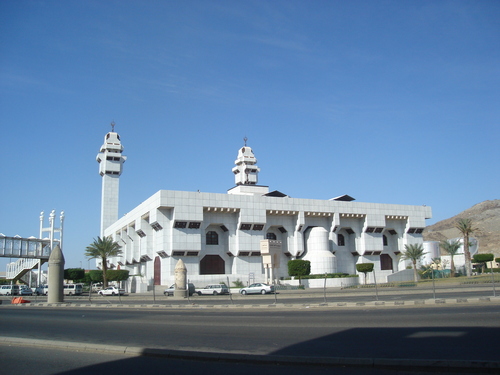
x=485 y=216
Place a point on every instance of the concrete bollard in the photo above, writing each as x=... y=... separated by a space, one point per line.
x=180 y=280
x=56 y=276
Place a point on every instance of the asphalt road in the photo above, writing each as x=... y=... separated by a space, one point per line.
x=451 y=332
x=431 y=336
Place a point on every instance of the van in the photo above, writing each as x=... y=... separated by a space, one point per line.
x=42 y=290
x=9 y=290
x=72 y=289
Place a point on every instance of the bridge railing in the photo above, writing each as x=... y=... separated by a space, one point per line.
x=18 y=247
x=20 y=267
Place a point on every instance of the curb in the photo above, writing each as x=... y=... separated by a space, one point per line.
x=415 y=364
x=427 y=302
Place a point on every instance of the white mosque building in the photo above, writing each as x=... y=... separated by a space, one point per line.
x=248 y=233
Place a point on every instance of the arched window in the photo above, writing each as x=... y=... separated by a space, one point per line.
x=212 y=238
x=384 y=238
x=340 y=240
x=270 y=236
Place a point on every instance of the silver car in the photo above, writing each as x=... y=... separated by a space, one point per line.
x=25 y=290
x=257 y=288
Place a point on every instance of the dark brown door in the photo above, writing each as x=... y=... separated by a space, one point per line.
x=385 y=262
x=212 y=265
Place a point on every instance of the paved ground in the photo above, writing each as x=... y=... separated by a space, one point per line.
x=358 y=298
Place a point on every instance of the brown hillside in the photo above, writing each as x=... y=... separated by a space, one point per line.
x=484 y=215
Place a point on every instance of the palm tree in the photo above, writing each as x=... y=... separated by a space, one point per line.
x=414 y=252
x=452 y=249
x=103 y=248
x=466 y=228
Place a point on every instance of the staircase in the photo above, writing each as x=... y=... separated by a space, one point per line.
x=18 y=269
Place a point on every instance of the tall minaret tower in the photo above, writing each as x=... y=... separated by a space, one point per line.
x=110 y=161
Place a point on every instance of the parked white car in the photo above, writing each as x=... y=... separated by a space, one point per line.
x=257 y=288
x=111 y=291
x=213 y=289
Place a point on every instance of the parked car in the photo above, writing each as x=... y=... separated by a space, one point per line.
x=213 y=289
x=111 y=291
x=25 y=290
x=257 y=288
x=170 y=291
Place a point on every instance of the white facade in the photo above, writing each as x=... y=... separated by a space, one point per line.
x=218 y=235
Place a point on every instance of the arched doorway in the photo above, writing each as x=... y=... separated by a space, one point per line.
x=212 y=265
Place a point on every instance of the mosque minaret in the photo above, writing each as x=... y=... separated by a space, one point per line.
x=110 y=161
x=246 y=170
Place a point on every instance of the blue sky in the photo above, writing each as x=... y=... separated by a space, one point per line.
x=387 y=101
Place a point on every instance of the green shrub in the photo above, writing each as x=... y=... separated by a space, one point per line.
x=74 y=274
x=495 y=270
x=117 y=275
x=95 y=276
x=483 y=259
x=238 y=283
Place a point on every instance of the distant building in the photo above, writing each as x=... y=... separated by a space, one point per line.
x=432 y=250
x=218 y=236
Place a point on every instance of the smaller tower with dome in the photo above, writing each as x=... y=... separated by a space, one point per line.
x=246 y=173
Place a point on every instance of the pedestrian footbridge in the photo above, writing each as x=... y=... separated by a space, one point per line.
x=30 y=251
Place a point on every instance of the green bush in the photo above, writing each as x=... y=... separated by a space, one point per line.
x=74 y=274
x=95 y=276
x=117 y=275
x=483 y=259
x=238 y=283
x=495 y=270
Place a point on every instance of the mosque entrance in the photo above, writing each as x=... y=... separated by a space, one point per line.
x=212 y=265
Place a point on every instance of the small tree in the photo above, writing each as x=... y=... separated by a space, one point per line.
x=414 y=252
x=103 y=248
x=483 y=259
x=74 y=274
x=365 y=268
x=452 y=249
x=299 y=268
